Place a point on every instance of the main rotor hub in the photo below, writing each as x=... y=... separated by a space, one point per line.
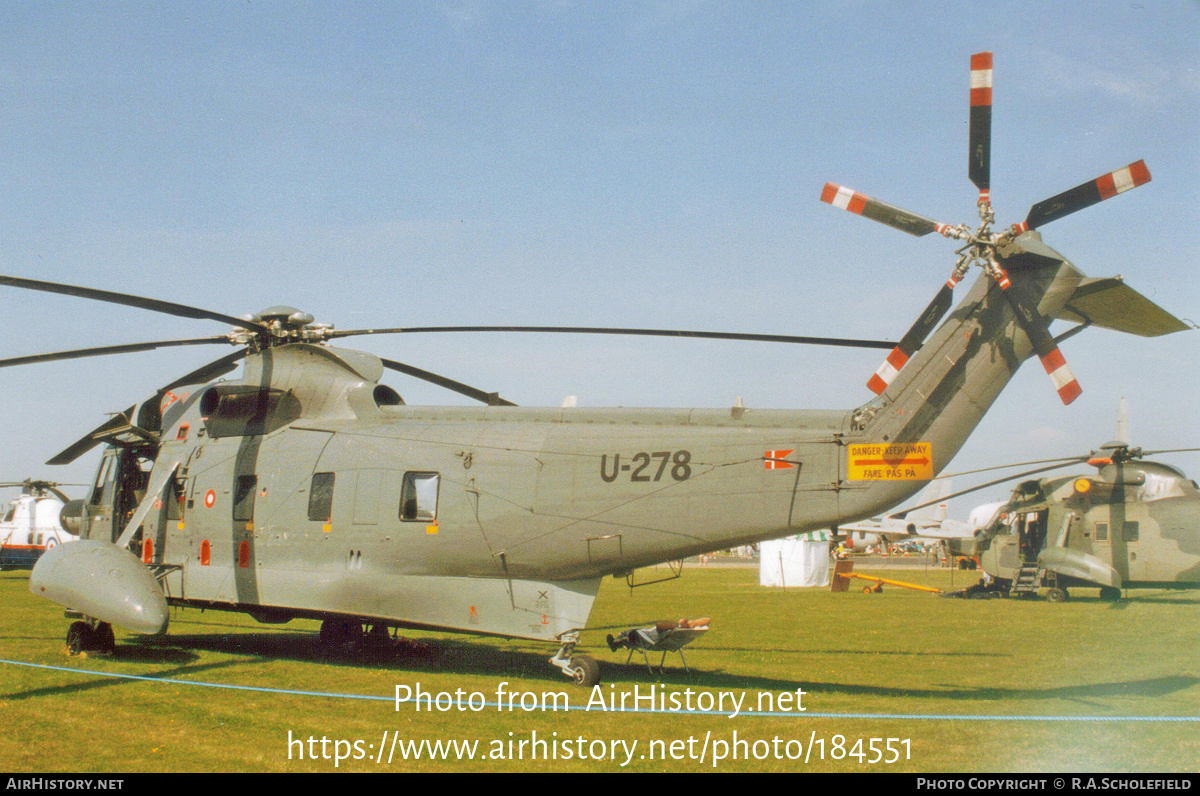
x=284 y=324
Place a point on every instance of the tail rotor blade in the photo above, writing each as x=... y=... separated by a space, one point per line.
x=1038 y=330
x=912 y=339
x=979 y=166
x=863 y=205
x=1085 y=195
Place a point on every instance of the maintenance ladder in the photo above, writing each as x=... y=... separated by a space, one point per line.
x=1028 y=579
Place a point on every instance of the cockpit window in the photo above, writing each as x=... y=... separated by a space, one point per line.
x=1159 y=485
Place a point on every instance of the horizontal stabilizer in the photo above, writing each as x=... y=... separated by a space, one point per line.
x=1112 y=304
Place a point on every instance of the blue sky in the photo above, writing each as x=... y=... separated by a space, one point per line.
x=626 y=164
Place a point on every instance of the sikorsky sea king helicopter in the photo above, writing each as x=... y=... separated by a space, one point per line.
x=306 y=488
x=1133 y=524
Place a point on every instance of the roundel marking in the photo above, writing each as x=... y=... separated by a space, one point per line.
x=210 y=498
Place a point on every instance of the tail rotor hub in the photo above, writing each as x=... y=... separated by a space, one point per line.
x=982 y=246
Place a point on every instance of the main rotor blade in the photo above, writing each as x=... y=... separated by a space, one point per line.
x=979 y=166
x=1085 y=195
x=208 y=372
x=863 y=205
x=80 y=353
x=58 y=493
x=1170 y=450
x=89 y=440
x=912 y=339
x=1065 y=460
x=766 y=338
x=1038 y=331
x=960 y=493
x=489 y=398
x=170 y=308
x=29 y=485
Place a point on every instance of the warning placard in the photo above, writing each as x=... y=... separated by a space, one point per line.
x=912 y=461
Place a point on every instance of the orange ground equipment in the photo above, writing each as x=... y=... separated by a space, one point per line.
x=843 y=572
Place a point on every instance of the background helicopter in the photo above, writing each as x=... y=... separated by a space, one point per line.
x=31 y=523
x=307 y=488
x=1133 y=524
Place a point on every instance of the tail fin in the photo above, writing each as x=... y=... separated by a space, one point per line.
x=937 y=489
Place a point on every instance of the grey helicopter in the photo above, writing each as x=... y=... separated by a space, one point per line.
x=306 y=488
x=1131 y=524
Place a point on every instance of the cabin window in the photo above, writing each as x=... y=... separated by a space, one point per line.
x=1102 y=532
x=1129 y=531
x=418 y=497
x=244 y=488
x=320 y=497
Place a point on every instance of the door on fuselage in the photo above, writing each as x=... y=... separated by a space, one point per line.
x=116 y=493
x=1031 y=534
x=246 y=507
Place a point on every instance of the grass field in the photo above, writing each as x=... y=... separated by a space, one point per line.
x=1029 y=665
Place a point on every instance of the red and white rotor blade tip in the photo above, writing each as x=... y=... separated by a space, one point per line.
x=913 y=339
x=1038 y=330
x=1085 y=195
x=979 y=162
x=863 y=205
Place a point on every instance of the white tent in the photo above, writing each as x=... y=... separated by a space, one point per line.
x=794 y=561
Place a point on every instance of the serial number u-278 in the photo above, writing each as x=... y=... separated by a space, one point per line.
x=648 y=466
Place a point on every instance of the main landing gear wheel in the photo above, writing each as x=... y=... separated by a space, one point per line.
x=1057 y=594
x=586 y=671
x=341 y=635
x=1110 y=593
x=378 y=637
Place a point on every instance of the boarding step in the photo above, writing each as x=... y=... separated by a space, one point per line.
x=1028 y=578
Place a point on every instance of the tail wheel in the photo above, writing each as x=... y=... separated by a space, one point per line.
x=585 y=670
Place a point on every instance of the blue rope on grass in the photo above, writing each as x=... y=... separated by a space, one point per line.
x=761 y=714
